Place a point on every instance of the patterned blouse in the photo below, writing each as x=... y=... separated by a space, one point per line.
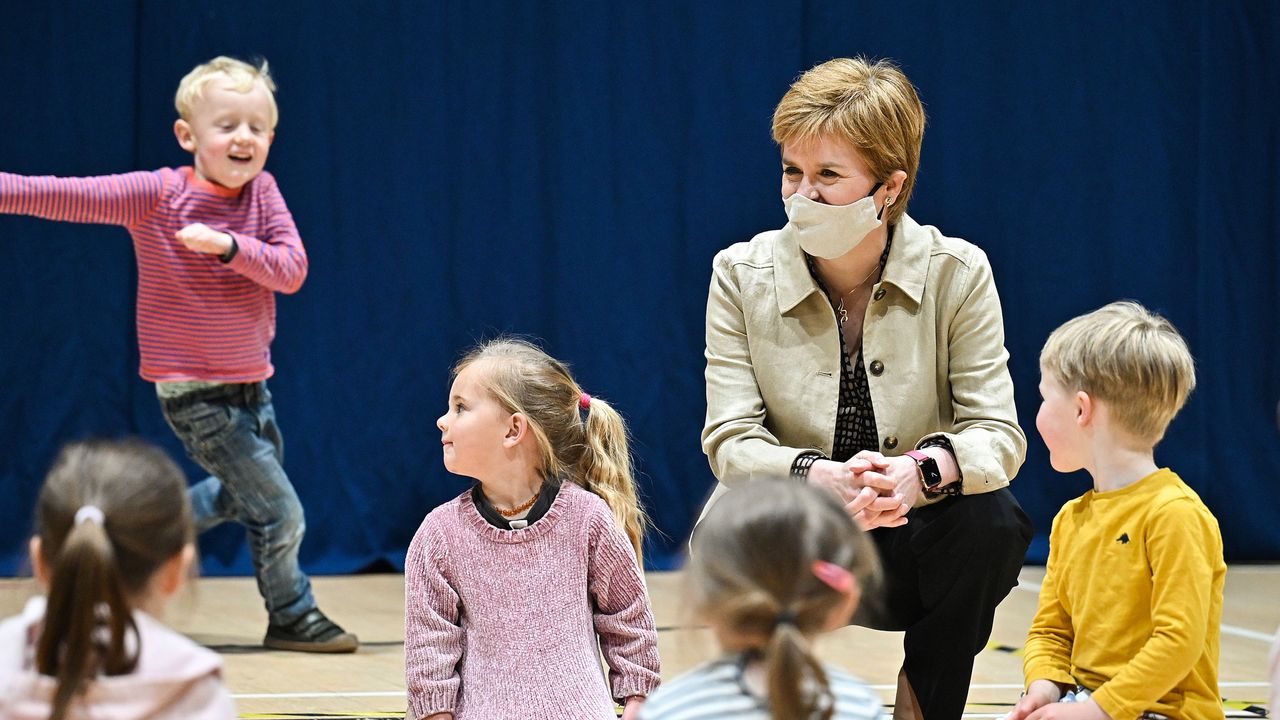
x=855 y=417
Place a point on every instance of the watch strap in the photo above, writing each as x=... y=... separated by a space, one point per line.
x=930 y=475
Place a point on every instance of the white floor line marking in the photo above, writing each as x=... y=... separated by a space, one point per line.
x=400 y=694
x=1226 y=629
x=273 y=696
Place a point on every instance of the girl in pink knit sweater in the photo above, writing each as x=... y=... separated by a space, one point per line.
x=515 y=588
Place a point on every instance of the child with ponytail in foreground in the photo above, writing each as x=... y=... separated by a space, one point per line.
x=515 y=588
x=772 y=566
x=113 y=545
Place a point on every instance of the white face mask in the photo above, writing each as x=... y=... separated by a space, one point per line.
x=829 y=231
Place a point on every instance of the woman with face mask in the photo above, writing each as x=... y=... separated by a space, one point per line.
x=862 y=352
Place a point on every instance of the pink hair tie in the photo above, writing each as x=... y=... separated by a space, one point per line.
x=840 y=579
x=584 y=401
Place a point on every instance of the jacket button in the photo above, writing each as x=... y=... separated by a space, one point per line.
x=891 y=442
x=879 y=293
x=877 y=368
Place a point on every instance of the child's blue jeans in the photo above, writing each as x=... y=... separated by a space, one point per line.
x=231 y=431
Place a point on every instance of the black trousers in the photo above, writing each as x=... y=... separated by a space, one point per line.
x=944 y=573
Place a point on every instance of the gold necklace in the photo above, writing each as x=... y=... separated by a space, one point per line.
x=519 y=508
x=844 y=314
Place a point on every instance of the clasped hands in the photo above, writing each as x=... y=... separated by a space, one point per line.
x=877 y=491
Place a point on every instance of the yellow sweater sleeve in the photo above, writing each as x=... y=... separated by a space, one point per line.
x=1048 y=649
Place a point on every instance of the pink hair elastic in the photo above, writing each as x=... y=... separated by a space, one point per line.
x=840 y=579
x=584 y=401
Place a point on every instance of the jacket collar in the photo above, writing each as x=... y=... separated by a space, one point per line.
x=906 y=268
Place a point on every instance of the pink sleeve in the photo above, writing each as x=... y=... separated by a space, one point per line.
x=621 y=611
x=205 y=699
x=432 y=636
x=109 y=199
x=277 y=260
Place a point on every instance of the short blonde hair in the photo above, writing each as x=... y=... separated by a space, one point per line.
x=1130 y=358
x=873 y=106
x=241 y=74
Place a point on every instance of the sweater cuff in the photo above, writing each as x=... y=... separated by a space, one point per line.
x=1114 y=706
x=1047 y=672
x=639 y=686
x=439 y=700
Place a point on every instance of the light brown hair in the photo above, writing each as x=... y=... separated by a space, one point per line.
x=871 y=105
x=750 y=572
x=590 y=447
x=146 y=521
x=1128 y=357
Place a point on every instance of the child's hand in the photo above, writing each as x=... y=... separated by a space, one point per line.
x=1039 y=694
x=201 y=238
x=632 y=709
x=439 y=716
x=1087 y=710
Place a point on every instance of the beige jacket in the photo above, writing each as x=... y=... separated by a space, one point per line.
x=933 y=327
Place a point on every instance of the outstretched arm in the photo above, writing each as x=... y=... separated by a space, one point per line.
x=109 y=199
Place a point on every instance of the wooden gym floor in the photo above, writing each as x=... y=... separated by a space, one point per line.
x=226 y=614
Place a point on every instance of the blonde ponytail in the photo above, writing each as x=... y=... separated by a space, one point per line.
x=605 y=469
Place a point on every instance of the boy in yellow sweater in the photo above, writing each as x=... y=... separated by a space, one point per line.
x=1131 y=605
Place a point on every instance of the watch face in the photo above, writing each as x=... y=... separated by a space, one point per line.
x=929 y=471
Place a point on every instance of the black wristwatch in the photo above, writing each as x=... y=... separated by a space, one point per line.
x=930 y=475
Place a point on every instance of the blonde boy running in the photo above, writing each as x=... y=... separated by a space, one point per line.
x=214 y=242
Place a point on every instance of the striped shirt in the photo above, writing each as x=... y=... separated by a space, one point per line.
x=199 y=319
x=715 y=691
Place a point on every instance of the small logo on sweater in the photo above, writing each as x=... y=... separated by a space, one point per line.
x=1123 y=539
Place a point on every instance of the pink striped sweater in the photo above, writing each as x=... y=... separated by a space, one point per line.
x=504 y=623
x=198 y=317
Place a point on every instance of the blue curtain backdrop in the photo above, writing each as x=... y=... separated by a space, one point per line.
x=568 y=169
